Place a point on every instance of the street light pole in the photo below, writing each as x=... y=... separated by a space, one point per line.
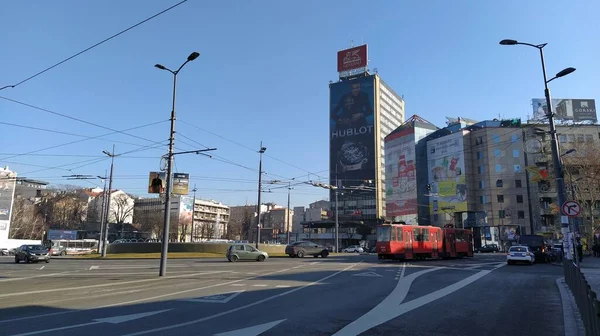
x=102 y=213
x=337 y=221
x=287 y=224
x=107 y=214
x=558 y=169
x=261 y=151
x=194 y=213
x=169 y=178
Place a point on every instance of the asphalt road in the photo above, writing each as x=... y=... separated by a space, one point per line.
x=341 y=296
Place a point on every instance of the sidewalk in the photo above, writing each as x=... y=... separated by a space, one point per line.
x=590 y=267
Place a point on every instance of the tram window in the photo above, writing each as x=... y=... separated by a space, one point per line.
x=417 y=234
x=399 y=234
x=425 y=234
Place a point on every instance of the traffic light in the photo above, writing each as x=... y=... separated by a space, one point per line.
x=428 y=187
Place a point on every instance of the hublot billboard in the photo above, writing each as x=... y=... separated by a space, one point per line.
x=352 y=132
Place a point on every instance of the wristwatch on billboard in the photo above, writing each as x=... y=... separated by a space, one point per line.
x=352 y=156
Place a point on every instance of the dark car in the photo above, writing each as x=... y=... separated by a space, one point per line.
x=488 y=248
x=537 y=245
x=32 y=253
x=303 y=248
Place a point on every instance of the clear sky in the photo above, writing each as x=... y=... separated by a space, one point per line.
x=263 y=75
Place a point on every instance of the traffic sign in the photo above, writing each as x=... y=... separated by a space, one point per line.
x=571 y=208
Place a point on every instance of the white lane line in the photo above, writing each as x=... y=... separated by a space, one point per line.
x=251 y=273
x=238 y=285
x=389 y=309
x=93 y=268
x=259 y=285
x=41 y=268
x=35 y=276
x=101 y=285
x=403 y=270
x=179 y=325
x=282 y=286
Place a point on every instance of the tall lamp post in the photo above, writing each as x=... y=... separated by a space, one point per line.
x=108 y=194
x=102 y=212
x=558 y=169
x=167 y=218
x=261 y=151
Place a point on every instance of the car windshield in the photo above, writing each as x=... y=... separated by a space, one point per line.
x=36 y=247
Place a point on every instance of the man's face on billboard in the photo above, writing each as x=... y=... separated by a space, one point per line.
x=355 y=89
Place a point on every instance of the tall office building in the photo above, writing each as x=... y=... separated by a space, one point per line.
x=363 y=111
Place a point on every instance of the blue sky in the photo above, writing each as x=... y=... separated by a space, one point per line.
x=263 y=75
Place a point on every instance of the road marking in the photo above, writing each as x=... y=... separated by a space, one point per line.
x=174 y=326
x=35 y=276
x=41 y=268
x=100 y=285
x=403 y=270
x=238 y=285
x=251 y=331
x=216 y=298
x=93 y=268
x=111 y=320
x=259 y=285
x=390 y=270
x=368 y=274
x=282 y=286
x=389 y=309
x=251 y=273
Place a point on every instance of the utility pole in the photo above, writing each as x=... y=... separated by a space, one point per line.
x=287 y=224
x=194 y=213
x=261 y=151
x=109 y=193
x=337 y=223
x=169 y=178
x=102 y=213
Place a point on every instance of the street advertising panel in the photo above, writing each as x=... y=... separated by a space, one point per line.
x=156 y=183
x=8 y=180
x=352 y=132
x=353 y=58
x=62 y=234
x=400 y=174
x=181 y=183
x=446 y=174
x=566 y=109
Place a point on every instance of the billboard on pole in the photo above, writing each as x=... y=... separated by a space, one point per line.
x=181 y=183
x=566 y=109
x=352 y=132
x=156 y=183
x=353 y=58
x=400 y=174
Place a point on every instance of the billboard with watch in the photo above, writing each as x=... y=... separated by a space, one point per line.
x=352 y=132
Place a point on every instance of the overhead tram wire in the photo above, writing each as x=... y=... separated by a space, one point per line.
x=247 y=147
x=93 y=46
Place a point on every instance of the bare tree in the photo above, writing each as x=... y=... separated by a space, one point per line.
x=122 y=209
x=26 y=222
x=246 y=224
x=65 y=209
x=582 y=180
x=350 y=234
x=210 y=230
x=185 y=227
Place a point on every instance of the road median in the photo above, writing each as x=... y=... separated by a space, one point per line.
x=172 y=255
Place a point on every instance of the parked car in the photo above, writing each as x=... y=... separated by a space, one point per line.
x=4 y=252
x=237 y=252
x=32 y=253
x=353 y=249
x=303 y=248
x=518 y=254
x=488 y=248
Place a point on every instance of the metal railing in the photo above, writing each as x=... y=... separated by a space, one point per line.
x=585 y=298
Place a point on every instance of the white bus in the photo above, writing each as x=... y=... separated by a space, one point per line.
x=72 y=247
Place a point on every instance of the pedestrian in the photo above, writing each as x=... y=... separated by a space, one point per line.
x=579 y=251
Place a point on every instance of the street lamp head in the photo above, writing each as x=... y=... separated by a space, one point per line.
x=107 y=153
x=193 y=56
x=262 y=150
x=572 y=150
x=160 y=66
x=509 y=42
x=565 y=72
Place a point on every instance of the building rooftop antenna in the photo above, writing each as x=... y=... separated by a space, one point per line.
x=351 y=43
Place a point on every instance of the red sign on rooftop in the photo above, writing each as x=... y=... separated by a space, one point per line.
x=352 y=58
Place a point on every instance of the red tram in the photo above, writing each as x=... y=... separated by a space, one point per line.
x=410 y=242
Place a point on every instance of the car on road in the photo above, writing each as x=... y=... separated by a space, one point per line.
x=488 y=248
x=32 y=253
x=303 y=248
x=353 y=249
x=237 y=252
x=518 y=254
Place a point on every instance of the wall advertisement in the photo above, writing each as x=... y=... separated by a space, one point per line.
x=446 y=174
x=352 y=132
x=400 y=174
x=565 y=109
x=181 y=183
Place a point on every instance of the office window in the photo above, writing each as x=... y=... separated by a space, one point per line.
x=514 y=138
x=497 y=152
x=589 y=138
x=562 y=138
x=519 y=198
x=480 y=169
x=517 y=168
x=520 y=214
x=482 y=199
x=500 y=198
x=479 y=140
x=479 y=155
x=516 y=153
x=481 y=184
x=580 y=138
x=518 y=184
x=495 y=138
x=498 y=168
x=501 y=214
x=499 y=183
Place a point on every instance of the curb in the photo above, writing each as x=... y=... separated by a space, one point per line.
x=572 y=322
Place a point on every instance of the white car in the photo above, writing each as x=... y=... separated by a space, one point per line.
x=518 y=254
x=353 y=248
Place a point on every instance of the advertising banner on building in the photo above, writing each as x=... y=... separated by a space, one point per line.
x=400 y=174
x=181 y=183
x=566 y=109
x=62 y=234
x=353 y=58
x=446 y=174
x=8 y=180
x=156 y=183
x=352 y=132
